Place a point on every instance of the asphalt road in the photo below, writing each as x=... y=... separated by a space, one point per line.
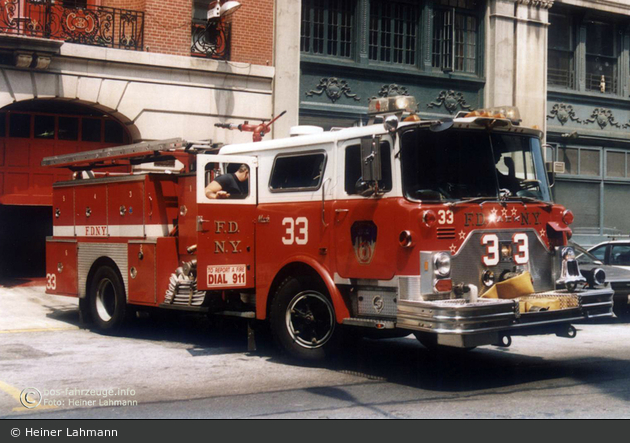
x=178 y=366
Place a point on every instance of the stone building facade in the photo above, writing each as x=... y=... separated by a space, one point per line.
x=564 y=63
x=84 y=74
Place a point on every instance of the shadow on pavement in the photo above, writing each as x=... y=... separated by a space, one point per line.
x=402 y=361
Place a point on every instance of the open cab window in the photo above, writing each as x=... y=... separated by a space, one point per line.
x=226 y=173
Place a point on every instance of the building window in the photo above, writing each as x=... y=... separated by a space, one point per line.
x=210 y=38
x=393 y=32
x=327 y=27
x=455 y=32
x=602 y=52
x=595 y=44
x=580 y=161
x=561 y=54
x=616 y=164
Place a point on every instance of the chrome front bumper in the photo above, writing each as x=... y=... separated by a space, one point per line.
x=461 y=323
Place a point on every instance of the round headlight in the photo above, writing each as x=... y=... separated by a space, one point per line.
x=568 y=253
x=442 y=264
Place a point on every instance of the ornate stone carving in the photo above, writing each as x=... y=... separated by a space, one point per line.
x=451 y=100
x=563 y=113
x=334 y=89
x=392 y=90
x=546 y=4
x=603 y=117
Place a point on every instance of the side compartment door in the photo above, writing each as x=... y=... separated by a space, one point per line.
x=225 y=227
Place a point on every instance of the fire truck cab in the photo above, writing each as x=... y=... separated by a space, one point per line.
x=443 y=228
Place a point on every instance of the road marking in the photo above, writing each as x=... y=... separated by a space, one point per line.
x=15 y=393
x=15 y=331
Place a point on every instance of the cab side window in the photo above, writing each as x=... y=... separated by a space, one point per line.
x=352 y=173
x=233 y=178
x=301 y=172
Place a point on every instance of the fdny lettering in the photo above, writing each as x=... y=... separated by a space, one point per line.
x=479 y=219
x=225 y=227
x=96 y=231
x=219 y=246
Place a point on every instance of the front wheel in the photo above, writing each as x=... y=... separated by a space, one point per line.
x=303 y=319
x=107 y=299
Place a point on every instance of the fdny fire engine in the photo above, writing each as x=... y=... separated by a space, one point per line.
x=441 y=228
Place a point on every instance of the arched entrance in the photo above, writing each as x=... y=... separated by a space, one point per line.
x=29 y=131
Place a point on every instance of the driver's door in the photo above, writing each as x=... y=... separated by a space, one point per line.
x=225 y=227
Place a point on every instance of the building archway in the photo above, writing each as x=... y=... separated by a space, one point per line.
x=29 y=131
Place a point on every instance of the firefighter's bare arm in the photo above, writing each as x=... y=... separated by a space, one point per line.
x=215 y=190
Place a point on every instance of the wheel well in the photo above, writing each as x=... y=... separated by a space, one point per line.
x=292 y=269
x=102 y=261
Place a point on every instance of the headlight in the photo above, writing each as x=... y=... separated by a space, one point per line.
x=442 y=264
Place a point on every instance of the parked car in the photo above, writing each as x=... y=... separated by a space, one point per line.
x=617 y=275
x=613 y=253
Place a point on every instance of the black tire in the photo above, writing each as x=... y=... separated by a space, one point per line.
x=108 y=305
x=85 y=314
x=303 y=320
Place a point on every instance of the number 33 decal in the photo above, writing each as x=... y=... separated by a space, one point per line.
x=300 y=225
x=492 y=256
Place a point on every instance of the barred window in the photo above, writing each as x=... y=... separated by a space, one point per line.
x=602 y=52
x=561 y=54
x=455 y=32
x=327 y=27
x=393 y=32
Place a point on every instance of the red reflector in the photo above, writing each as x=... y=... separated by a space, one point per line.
x=444 y=285
x=567 y=217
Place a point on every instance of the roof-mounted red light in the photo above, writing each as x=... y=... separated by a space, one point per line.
x=567 y=217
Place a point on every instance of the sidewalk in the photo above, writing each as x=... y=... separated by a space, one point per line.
x=25 y=307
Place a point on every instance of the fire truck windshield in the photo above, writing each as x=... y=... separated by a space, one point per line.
x=464 y=164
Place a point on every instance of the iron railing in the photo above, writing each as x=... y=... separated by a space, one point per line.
x=211 y=39
x=561 y=77
x=59 y=20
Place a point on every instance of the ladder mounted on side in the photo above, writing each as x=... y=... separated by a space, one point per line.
x=137 y=153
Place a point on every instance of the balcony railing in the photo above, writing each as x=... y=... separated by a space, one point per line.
x=211 y=39
x=87 y=25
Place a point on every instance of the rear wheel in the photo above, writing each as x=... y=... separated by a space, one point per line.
x=107 y=299
x=303 y=319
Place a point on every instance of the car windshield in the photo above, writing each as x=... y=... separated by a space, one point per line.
x=460 y=164
x=583 y=256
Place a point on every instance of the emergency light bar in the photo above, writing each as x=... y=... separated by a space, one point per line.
x=507 y=112
x=392 y=105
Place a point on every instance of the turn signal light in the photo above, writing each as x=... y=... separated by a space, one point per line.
x=443 y=285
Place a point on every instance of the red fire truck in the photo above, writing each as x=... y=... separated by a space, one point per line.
x=441 y=228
